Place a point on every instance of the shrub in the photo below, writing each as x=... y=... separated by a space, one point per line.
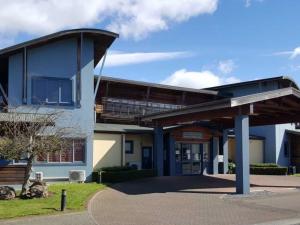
x=261 y=169
x=272 y=165
x=117 y=168
x=268 y=170
x=121 y=176
x=231 y=168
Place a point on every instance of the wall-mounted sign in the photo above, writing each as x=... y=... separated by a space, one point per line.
x=192 y=135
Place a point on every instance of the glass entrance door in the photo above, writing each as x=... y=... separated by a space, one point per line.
x=188 y=157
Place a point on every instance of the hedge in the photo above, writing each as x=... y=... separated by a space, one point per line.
x=117 y=168
x=269 y=170
x=121 y=176
x=262 y=169
x=264 y=165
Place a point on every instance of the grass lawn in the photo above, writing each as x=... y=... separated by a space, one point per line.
x=77 y=197
x=297 y=175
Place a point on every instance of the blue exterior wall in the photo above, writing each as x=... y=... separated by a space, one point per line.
x=281 y=138
x=15 y=79
x=59 y=59
x=250 y=89
x=269 y=133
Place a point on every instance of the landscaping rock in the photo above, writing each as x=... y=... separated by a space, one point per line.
x=7 y=193
x=38 y=190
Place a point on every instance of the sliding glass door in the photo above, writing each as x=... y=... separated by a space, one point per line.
x=188 y=158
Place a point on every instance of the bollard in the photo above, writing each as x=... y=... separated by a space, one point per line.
x=63 y=199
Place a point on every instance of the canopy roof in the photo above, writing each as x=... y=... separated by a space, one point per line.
x=270 y=107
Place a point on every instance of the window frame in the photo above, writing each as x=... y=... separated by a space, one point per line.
x=131 y=151
x=60 y=155
x=59 y=91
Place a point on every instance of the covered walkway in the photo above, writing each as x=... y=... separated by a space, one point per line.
x=270 y=107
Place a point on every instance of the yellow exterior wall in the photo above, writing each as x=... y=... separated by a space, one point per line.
x=256 y=148
x=139 y=141
x=107 y=150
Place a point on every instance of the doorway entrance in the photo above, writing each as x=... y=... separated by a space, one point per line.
x=190 y=158
x=146 y=157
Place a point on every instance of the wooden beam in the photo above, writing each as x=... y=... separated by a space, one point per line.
x=205 y=116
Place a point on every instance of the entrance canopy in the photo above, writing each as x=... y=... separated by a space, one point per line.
x=265 y=108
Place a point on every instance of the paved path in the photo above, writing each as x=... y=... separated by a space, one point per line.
x=80 y=218
x=197 y=200
x=187 y=200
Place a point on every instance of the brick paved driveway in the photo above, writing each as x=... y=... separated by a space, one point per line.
x=190 y=200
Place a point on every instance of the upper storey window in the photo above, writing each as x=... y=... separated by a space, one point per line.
x=51 y=91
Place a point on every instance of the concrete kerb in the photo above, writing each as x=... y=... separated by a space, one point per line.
x=89 y=208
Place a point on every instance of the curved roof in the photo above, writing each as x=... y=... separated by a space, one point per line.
x=285 y=81
x=102 y=40
x=156 y=85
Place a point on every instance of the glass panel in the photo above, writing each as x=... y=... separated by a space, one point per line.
x=66 y=91
x=54 y=157
x=196 y=152
x=129 y=147
x=38 y=94
x=205 y=152
x=79 y=150
x=67 y=153
x=196 y=168
x=146 y=152
x=178 y=152
x=186 y=152
x=52 y=90
x=42 y=157
x=186 y=168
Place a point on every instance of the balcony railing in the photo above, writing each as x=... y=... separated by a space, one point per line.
x=128 y=109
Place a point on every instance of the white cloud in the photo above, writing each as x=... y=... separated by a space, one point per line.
x=248 y=3
x=226 y=66
x=292 y=54
x=131 y=18
x=116 y=58
x=295 y=53
x=197 y=79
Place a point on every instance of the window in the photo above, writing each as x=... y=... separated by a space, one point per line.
x=50 y=90
x=129 y=147
x=74 y=152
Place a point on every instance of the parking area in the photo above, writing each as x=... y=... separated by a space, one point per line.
x=197 y=200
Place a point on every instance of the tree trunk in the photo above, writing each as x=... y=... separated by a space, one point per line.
x=26 y=183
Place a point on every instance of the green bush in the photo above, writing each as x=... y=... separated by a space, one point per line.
x=272 y=165
x=121 y=176
x=231 y=168
x=261 y=169
x=117 y=168
x=269 y=170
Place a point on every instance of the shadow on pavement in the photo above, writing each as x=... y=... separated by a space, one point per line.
x=183 y=184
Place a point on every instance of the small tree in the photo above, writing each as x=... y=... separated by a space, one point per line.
x=25 y=136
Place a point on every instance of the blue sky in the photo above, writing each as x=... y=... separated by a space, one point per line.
x=203 y=43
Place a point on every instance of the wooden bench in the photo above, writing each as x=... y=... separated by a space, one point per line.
x=12 y=174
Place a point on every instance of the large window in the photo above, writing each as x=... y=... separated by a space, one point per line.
x=50 y=90
x=74 y=152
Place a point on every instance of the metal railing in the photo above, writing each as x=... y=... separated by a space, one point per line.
x=125 y=108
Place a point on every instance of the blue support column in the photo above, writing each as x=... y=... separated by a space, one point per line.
x=172 y=160
x=158 y=156
x=242 y=154
x=215 y=153
x=225 y=151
